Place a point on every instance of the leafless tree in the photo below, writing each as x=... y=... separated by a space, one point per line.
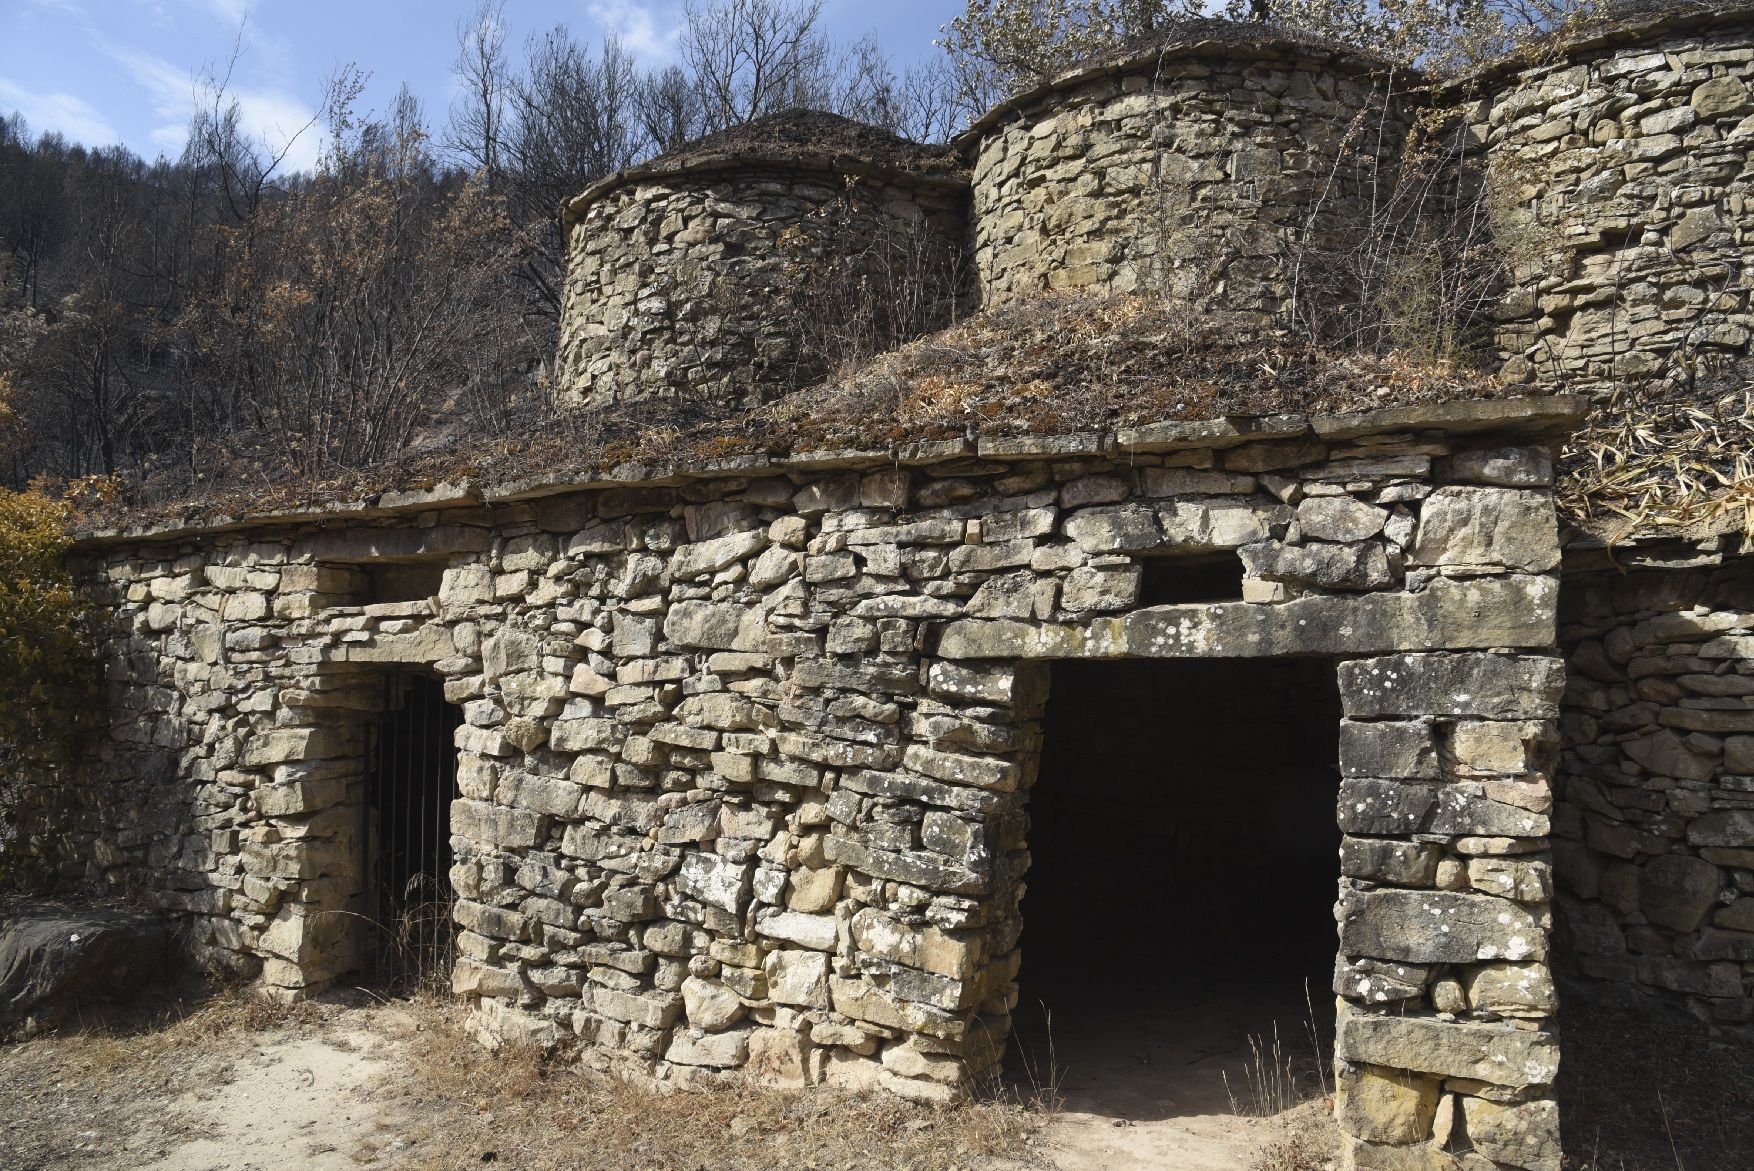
x=669 y=108
x=748 y=58
x=217 y=310
x=362 y=301
x=929 y=102
x=481 y=69
x=573 y=119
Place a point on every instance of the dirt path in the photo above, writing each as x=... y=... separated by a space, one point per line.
x=327 y=1102
x=344 y=1088
x=301 y=1103
x=230 y=1085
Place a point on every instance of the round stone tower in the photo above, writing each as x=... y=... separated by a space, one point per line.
x=745 y=264
x=1623 y=186
x=1202 y=162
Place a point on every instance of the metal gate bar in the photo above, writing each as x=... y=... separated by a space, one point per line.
x=410 y=786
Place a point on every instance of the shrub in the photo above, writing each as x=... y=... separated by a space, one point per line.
x=49 y=681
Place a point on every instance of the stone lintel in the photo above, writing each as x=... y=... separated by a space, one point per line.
x=1516 y=611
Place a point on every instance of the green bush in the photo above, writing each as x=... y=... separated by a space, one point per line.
x=50 y=685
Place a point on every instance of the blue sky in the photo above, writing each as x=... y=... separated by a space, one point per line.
x=128 y=71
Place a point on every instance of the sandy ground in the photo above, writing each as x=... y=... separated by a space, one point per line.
x=327 y=1090
x=1167 y=1084
x=292 y=1102
x=233 y=1086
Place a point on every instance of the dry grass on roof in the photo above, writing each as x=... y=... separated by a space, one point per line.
x=1086 y=363
x=1681 y=460
x=1054 y=365
x=1049 y=366
x=807 y=133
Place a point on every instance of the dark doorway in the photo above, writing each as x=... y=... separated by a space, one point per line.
x=1182 y=879
x=410 y=784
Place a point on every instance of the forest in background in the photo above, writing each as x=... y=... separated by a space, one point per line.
x=216 y=317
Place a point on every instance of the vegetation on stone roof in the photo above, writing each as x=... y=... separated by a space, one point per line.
x=1062 y=364
x=1053 y=366
x=810 y=133
x=1675 y=462
x=1675 y=459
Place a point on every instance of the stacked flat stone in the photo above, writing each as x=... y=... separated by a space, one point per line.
x=686 y=275
x=1200 y=164
x=1227 y=166
x=1625 y=177
x=745 y=758
x=1656 y=857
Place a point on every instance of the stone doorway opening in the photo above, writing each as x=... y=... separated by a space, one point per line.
x=1182 y=880
x=411 y=780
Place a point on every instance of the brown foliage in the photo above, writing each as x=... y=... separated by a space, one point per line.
x=1055 y=365
x=50 y=681
x=1083 y=363
x=346 y=313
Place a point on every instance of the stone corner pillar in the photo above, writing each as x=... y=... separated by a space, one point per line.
x=1445 y=1043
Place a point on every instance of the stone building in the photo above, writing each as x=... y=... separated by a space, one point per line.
x=1624 y=162
x=687 y=275
x=730 y=763
x=1199 y=163
x=744 y=753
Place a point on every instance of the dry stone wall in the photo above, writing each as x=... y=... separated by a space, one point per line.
x=723 y=283
x=1656 y=815
x=1232 y=170
x=1204 y=170
x=1624 y=179
x=745 y=760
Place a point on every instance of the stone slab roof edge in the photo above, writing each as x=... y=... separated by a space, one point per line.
x=835 y=145
x=1618 y=28
x=823 y=163
x=1610 y=535
x=1117 y=62
x=1548 y=416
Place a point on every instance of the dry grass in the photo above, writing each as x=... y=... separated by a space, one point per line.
x=1679 y=462
x=1667 y=458
x=124 y=1091
x=99 y=1094
x=1269 y=1080
x=1288 y=1091
x=1054 y=365
x=520 y=1109
x=1061 y=364
x=1306 y=1138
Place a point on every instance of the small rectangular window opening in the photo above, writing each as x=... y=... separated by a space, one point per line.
x=401 y=581
x=1174 y=581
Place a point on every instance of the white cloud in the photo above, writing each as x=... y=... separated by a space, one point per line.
x=276 y=118
x=648 y=31
x=72 y=116
x=231 y=13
